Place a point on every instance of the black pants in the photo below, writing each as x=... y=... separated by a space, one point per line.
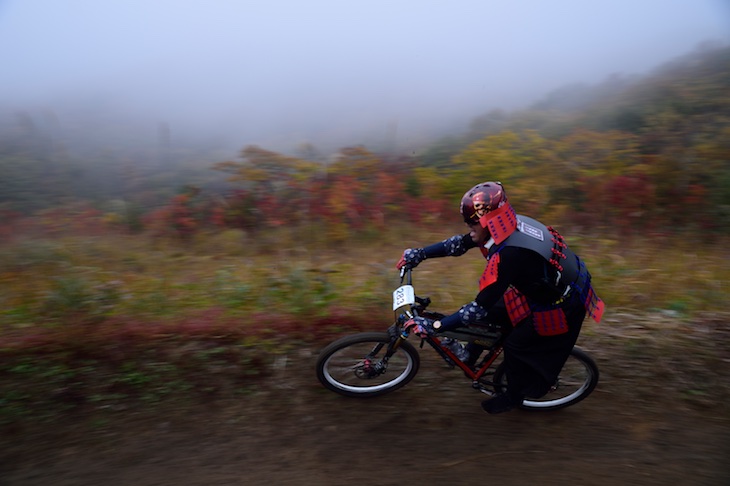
x=532 y=361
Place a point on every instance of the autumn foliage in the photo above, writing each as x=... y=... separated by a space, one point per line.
x=650 y=156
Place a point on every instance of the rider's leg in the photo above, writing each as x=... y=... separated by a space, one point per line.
x=497 y=319
x=533 y=362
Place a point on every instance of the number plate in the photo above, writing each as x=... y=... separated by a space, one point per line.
x=404 y=295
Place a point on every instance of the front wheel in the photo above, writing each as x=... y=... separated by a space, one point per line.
x=353 y=365
x=576 y=381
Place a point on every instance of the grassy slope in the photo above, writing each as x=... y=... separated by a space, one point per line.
x=112 y=321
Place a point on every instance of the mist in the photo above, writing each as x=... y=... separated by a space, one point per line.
x=226 y=74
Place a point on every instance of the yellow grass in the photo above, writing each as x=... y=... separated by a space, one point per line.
x=287 y=272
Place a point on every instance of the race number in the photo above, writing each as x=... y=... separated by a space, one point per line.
x=404 y=295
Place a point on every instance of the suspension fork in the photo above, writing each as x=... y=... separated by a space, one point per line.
x=395 y=341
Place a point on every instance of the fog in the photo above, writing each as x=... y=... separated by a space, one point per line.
x=278 y=73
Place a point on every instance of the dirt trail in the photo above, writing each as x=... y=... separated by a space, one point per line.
x=433 y=431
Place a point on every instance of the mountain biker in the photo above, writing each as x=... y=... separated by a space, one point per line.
x=532 y=282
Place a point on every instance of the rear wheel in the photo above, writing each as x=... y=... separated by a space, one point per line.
x=576 y=381
x=353 y=366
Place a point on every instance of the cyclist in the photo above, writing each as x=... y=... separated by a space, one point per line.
x=532 y=281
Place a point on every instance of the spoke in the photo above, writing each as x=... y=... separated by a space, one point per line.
x=359 y=374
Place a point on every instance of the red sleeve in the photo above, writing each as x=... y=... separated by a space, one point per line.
x=494 y=282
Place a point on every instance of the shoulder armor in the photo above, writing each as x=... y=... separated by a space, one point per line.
x=533 y=235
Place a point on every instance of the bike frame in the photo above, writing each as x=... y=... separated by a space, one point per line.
x=493 y=353
x=418 y=307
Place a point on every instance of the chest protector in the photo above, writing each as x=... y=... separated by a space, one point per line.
x=563 y=265
x=561 y=274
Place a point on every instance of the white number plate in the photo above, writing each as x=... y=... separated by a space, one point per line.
x=404 y=295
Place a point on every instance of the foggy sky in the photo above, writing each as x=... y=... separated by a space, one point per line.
x=269 y=71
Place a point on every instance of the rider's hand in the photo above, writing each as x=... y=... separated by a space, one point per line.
x=420 y=326
x=411 y=257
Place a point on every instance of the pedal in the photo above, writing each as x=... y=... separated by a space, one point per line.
x=478 y=386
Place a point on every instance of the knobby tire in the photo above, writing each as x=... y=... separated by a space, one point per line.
x=576 y=381
x=340 y=365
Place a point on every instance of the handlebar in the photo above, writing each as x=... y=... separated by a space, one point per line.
x=405 y=274
x=406 y=278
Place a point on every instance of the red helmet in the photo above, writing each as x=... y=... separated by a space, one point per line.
x=481 y=199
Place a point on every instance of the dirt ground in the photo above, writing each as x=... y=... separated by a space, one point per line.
x=433 y=431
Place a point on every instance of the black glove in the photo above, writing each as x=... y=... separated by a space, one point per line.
x=420 y=326
x=411 y=258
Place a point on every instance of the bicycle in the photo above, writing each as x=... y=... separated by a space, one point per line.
x=371 y=364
